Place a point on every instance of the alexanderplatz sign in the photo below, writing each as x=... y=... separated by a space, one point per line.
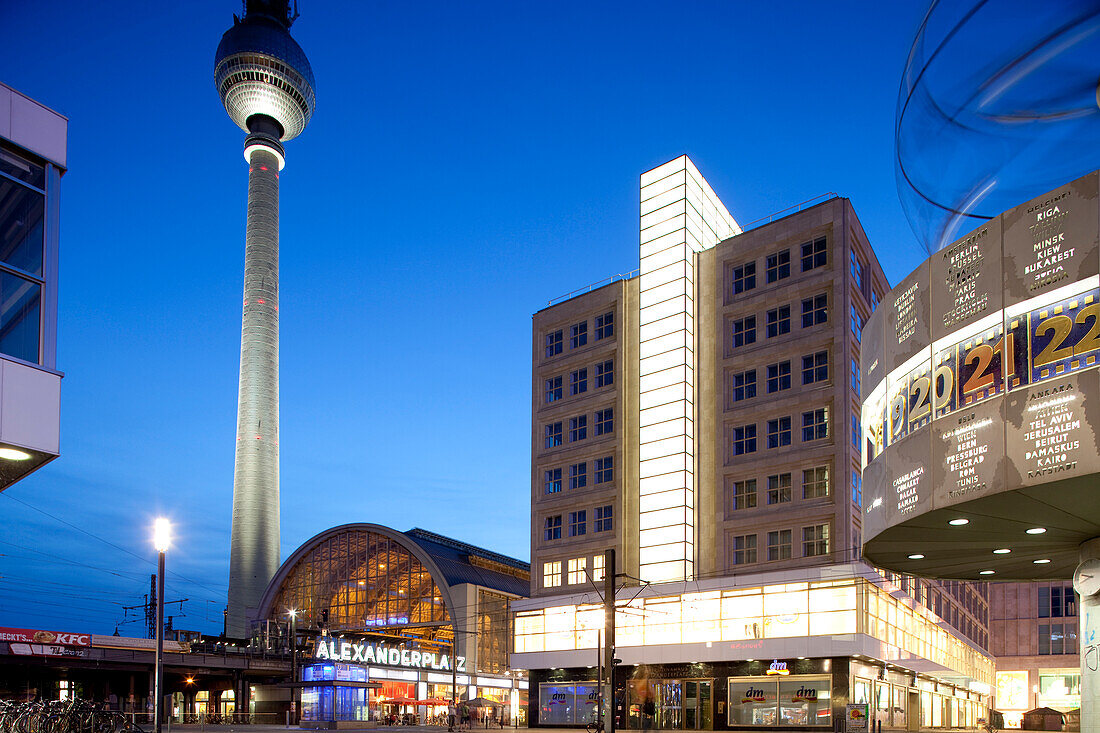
x=981 y=406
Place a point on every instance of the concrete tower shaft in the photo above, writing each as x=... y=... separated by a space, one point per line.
x=254 y=543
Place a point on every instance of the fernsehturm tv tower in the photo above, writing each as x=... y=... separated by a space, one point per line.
x=266 y=85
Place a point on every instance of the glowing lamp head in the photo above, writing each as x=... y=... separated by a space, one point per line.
x=260 y=70
x=162 y=534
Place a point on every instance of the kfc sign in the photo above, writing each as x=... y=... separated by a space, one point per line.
x=37 y=636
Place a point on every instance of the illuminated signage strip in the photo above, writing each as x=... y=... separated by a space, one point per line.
x=680 y=217
x=363 y=653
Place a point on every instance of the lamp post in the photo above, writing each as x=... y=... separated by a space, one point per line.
x=162 y=531
x=293 y=662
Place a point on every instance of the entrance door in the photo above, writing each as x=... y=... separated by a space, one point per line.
x=697 y=705
x=914 y=710
x=669 y=705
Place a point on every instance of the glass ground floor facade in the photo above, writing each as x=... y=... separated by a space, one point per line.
x=791 y=694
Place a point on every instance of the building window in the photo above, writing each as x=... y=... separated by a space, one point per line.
x=744 y=549
x=553 y=435
x=815 y=424
x=603 y=520
x=855 y=376
x=552 y=528
x=857 y=431
x=779 y=266
x=605 y=374
x=605 y=421
x=815 y=367
x=815 y=310
x=779 y=545
x=857 y=271
x=857 y=323
x=576 y=571
x=553 y=481
x=744 y=494
x=1057 y=601
x=815 y=482
x=578 y=335
x=551 y=574
x=779 y=432
x=578 y=523
x=744 y=385
x=744 y=440
x=1057 y=638
x=578 y=381
x=815 y=540
x=605 y=326
x=857 y=488
x=779 y=321
x=598 y=567
x=553 y=389
x=605 y=469
x=744 y=331
x=578 y=428
x=779 y=376
x=874 y=299
x=813 y=254
x=744 y=277
x=578 y=475
x=779 y=489
x=553 y=343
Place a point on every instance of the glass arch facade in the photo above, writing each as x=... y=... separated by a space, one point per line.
x=357 y=579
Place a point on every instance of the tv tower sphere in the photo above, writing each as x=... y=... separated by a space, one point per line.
x=266 y=85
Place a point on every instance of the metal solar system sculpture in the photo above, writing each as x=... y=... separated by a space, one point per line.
x=998 y=103
x=266 y=85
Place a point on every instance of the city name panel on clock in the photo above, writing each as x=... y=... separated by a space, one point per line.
x=980 y=389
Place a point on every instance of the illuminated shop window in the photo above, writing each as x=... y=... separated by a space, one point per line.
x=744 y=494
x=605 y=326
x=744 y=331
x=779 y=432
x=605 y=374
x=813 y=254
x=553 y=389
x=815 y=367
x=576 y=570
x=605 y=469
x=553 y=343
x=744 y=385
x=744 y=277
x=779 y=488
x=578 y=335
x=578 y=381
x=779 y=266
x=815 y=310
x=551 y=574
x=815 y=482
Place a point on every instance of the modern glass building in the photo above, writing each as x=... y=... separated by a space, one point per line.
x=377 y=613
x=32 y=161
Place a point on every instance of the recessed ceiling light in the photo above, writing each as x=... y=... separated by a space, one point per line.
x=1002 y=551
x=959 y=522
x=802 y=657
x=1044 y=561
x=1037 y=530
x=916 y=556
x=12 y=454
x=987 y=572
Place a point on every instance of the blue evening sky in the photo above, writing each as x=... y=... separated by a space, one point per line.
x=466 y=163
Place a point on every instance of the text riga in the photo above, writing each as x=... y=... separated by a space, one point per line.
x=345 y=651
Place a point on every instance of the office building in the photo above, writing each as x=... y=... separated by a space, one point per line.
x=32 y=161
x=702 y=418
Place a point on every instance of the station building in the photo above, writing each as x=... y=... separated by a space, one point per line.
x=701 y=417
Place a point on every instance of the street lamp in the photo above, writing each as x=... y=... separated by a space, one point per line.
x=162 y=531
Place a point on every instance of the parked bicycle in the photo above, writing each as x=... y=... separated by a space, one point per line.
x=596 y=725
